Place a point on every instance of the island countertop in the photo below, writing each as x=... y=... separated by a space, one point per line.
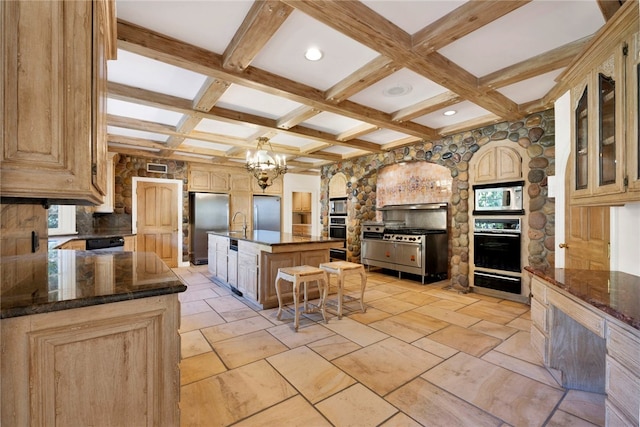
x=613 y=292
x=65 y=279
x=277 y=238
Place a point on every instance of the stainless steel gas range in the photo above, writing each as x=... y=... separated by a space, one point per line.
x=404 y=245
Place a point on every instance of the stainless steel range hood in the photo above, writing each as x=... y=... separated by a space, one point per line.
x=429 y=216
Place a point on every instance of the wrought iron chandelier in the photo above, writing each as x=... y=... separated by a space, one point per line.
x=264 y=165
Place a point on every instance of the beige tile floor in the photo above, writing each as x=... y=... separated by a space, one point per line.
x=420 y=355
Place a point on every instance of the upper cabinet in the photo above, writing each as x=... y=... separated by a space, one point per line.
x=301 y=202
x=54 y=105
x=603 y=166
x=202 y=178
x=496 y=164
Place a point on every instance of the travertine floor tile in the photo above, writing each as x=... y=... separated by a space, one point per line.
x=432 y=406
x=516 y=399
x=226 y=303
x=371 y=315
x=520 y=323
x=471 y=342
x=389 y=289
x=564 y=419
x=356 y=332
x=333 y=347
x=589 y=406
x=233 y=315
x=310 y=374
x=522 y=367
x=452 y=296
x=392 y=305
x=494 y=329
x=418 y=298
x=305 y=335
x=519 y=345
x=200 y=367
x=356 y=406
x=248 y=348
x=294 y=412
x=434 y=347
x=199 y=321
x=196 y=295
x=233 y=395
x=409 y=326
x=400 y=420
x=448 y=316
x=193 y=343
x=239 y=327
x=374 y=294
x=446 y=304
x=494 y=312
x=193 y=307
x=386 y=365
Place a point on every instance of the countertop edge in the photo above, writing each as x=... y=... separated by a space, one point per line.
x=7 y=313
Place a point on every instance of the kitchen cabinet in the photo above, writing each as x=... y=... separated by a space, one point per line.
x=75 y=244
x=603 y=164
x=208 y=180
x=130 y=243
x=248 y=268
x=338 y=185
x=232 y=268
x=301 y=202
x=54 y=147
x=61 y=368
x=496 y=164
x=211 y=254
x=222 y=254
x=107 y=206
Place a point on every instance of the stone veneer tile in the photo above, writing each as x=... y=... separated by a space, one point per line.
x=516 y=399
x=292 y=412
x=231 y=396
x=313 y=376
x=356 y=406
x=386 y=365
x=431 y=406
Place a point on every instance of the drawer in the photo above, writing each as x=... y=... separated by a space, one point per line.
x=577 y=312
x=539 y=290
x=623 y=389
x=540 y=344
x=624 y=347
x=539 y=316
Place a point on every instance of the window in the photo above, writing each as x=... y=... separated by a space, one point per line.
x=62 y=220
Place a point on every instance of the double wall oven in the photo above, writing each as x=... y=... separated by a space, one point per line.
x=338 y=226
x=497 y=254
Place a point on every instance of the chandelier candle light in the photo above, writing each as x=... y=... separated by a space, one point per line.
x=265 y=166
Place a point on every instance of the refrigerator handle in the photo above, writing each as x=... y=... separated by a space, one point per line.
x=255 y=217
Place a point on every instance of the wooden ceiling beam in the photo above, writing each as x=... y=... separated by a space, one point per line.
x=362 y=24
x=296 y=117
x=540 y=64
x=460 y=22
x=262 y=21
x=427 y=106
x=610 y=7
x=372 y=72
x=209 y=94
x=166 y=49
x=403 y=142
x=357 y=131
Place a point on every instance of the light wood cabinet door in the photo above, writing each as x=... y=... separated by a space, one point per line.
x=212 y=255
x=232 y=268
x=498 y=164
x=53 y=108
x=241 y=202
x=208 y=180
x=62 y=368
x=248 y=274
x=199 y=180
x=130 y=243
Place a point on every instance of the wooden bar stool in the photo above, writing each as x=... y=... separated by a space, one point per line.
x=342 y=269
x=300 y=276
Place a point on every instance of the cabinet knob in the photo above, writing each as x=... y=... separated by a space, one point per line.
x=563 y=246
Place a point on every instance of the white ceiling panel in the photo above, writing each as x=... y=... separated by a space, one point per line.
x=224 y=128
x=331 y=123
x=113 y=130
x=338 y=149
x=206 y=144
x=284 y=53
x=383 y=136
x=251 y=101
x=291 y=140
x=401 y=89
x=412 y=16
x=141 y=72
x=530 y=30
x=207 y=24
x=142 y=112
x=533 y=88
x=464 y=111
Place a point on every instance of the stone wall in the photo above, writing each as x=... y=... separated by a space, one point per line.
x=535 y=133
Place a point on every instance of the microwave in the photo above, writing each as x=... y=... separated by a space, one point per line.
x=338 y=206
x=498 y=199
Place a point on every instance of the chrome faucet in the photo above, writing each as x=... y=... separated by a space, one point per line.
x=244 y=222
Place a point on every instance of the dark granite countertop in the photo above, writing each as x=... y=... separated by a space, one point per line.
x=55 y=241
x=274 y=238
x=65 y=279
x=613 y=292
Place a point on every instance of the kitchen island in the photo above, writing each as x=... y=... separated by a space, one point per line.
x=586 y=325
x=249 y=263
x=89 y=338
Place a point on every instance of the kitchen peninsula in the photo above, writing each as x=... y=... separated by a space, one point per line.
x=249 y=263
x=89 y=338
x=586 y=324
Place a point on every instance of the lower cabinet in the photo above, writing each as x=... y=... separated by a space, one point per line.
x=248 y=269
x=130 y=243
x=109 y=364
x=232 y=268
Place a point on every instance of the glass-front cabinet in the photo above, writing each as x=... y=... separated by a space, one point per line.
x=604 y=167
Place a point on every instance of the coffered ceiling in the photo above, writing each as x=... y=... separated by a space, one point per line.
x=202 y=80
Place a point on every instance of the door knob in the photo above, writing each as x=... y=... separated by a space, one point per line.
x=563 y=246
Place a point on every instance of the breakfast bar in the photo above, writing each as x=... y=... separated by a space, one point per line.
x=89 y=338
x=249 y=263
x=585 y=324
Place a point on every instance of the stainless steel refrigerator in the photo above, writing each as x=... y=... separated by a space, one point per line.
x=207 y=212
x=266 y=213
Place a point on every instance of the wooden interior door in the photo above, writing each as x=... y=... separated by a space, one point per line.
x=157 y=220
x=587 y=237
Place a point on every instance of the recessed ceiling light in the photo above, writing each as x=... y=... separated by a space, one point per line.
x=313 y=54
x=398 y=89
x=449 y=112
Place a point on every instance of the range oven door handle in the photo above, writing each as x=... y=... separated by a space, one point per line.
x=497 y=234
x=515 y=279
